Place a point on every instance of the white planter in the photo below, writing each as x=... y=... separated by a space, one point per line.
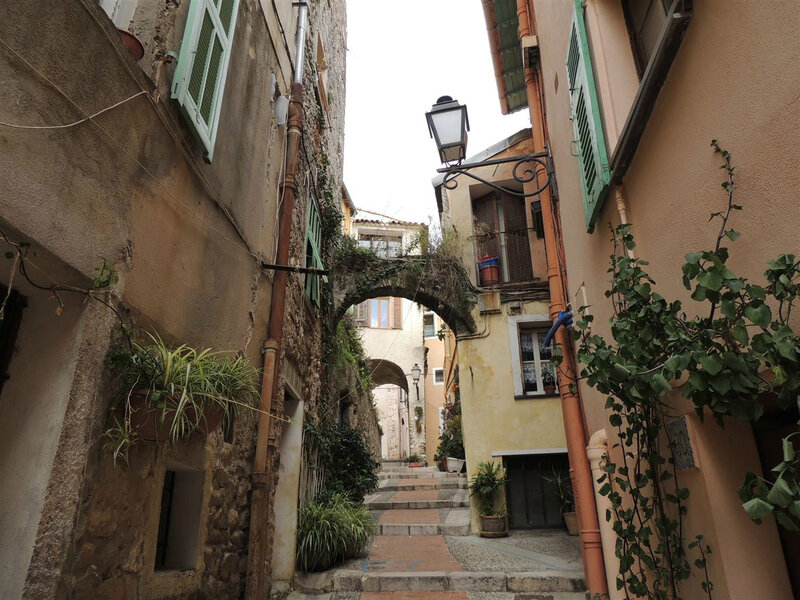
x=454 y=465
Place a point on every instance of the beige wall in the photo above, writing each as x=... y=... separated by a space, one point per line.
x=735 y=78
x=434 y=392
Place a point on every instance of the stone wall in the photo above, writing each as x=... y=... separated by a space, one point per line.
x=182 y=235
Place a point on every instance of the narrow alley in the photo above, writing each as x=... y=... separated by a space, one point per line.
x=423 y=551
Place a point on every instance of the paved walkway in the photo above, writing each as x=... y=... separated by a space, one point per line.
x=424 y=551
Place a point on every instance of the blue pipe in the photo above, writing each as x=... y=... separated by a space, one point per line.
x=565 y=319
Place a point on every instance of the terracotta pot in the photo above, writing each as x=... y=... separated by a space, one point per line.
x=416 y=464
x=571 y=520
x=133 y=43
x=493 y=527
x=152 y=424
x=549 y=390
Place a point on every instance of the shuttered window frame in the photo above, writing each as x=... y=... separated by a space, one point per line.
x=595 y=170
x=313 y=251
x=214 y=20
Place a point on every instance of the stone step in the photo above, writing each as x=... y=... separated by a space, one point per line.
x=389 y=500
x=414 y=474
x=468 y=581
x=397 y=485
x=449 y=595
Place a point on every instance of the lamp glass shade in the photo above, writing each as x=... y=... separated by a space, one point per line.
x=415 y=373
x=448 y=124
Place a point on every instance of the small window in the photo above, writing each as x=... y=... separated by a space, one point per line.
x=538 y=375
x=322 y=76
x=538 y=219
x=438 y=376
x=501 y=231
x=429 y=325
x=203 y=66
x=379 y=313
x=385 y=246
x=644 y=19
x=313 y=250
x=179 y=520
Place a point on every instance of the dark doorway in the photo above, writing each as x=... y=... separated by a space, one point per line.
x=10 y=321
x=769 y=432
x=531 y=500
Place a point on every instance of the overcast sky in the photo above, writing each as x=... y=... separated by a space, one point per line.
x=401 y=57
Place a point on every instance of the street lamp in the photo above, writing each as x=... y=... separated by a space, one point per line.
x=415 y=373
x=448 y=125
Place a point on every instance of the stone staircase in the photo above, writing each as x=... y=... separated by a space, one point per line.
x=410 y=559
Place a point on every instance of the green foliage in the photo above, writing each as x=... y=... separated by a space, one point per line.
x=349 y=466
x=181 y=383
x=740 y=348
x=331 y=530
x=487 y=481
x=451 y=440
x=562 y=485
x=106 y=275
x=414 y=457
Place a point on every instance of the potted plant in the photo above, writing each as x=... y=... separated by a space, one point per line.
x=175 y=394
x=549 y=382
x=562 y=487
x=414 y=460
x=450 y=455
x=485 y=484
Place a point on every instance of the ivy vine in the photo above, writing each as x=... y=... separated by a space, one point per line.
x=736 y=354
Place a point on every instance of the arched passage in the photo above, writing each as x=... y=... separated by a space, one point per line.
x=440 y=284
x=391 y=400
x=385 y=371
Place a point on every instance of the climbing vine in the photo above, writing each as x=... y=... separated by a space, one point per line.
x=737 y=354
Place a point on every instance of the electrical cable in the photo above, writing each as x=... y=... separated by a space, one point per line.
x=74 y=123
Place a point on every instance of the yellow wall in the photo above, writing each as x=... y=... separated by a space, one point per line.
x=494 y=422
x=434 y=393
x=735 y=78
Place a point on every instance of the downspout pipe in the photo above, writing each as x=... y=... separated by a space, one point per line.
x=585 y=505
x=260 y=544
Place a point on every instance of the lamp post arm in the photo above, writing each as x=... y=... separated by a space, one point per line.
x=522 y=172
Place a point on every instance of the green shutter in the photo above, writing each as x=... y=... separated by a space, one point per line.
x=203 y=65
x=592 y=154
x=313 y=250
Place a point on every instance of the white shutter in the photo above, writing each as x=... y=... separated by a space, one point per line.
x=203 y=65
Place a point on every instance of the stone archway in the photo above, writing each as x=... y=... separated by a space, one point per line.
x=391 y=401
x=440 y=284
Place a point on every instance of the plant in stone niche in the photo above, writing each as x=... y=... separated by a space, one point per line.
x=738 y=351
x=174 y=394
x=451 y=440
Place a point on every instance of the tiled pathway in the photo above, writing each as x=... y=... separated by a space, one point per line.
x=424 y=551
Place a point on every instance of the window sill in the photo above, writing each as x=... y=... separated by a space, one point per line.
x=536 y=396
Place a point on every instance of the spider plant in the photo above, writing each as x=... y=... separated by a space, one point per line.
x=181 y=386
x=485 y=483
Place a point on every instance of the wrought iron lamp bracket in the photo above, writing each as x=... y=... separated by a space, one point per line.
x=523 y=172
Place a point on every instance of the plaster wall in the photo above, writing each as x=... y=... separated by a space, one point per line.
x=734 y=79
x=393 y=417
x=404 y=347
x=434 y=392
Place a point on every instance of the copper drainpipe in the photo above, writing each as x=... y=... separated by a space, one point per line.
x=259 y=546
x=591 y=547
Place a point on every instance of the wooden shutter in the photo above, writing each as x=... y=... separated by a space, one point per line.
x=313 y=250
x=362 y=314
x=518 y=252
x=592 y=154
x=397 y=313
x=203 y=65
x=486 y=229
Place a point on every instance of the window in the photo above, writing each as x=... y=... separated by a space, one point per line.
x=203 y=66
x=501 y=231
x=592 y=155
x=438 y=376
x=179 y=520
x=322 y=76
x=533 y=375
x=386 y=246
x=380 y=313
x=313 y=250
x=9 y=327
x=538 y=219
x=429 y=325
x=645 y=19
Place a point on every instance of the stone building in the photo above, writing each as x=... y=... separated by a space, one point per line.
x=180 y=176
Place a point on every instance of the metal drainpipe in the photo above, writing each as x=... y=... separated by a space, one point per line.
x=572 y=410
x=258 y=580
